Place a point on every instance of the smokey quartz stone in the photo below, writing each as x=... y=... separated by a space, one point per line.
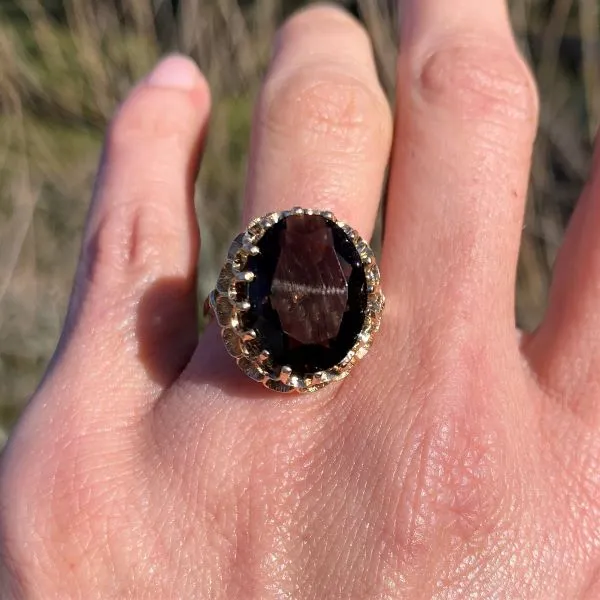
x=309 y=293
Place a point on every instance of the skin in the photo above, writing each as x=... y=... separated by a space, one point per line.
x=459 y=460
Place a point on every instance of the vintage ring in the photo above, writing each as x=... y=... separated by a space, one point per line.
x=298 y=299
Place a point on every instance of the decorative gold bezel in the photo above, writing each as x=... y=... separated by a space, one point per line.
x=224 y=303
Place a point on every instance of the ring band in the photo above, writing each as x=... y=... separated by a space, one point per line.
x=298 y=300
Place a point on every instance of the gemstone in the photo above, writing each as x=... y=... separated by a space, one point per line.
x=309 y=293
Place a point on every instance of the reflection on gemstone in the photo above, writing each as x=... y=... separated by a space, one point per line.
x=308 y=298
x=310 y=287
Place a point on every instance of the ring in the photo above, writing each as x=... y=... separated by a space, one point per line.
x=298 y=300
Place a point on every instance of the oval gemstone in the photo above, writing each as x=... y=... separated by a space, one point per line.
x=309 y=293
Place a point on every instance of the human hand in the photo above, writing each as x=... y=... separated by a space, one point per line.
x=457 y=460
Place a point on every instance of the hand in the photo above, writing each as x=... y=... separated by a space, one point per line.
x=459 y=459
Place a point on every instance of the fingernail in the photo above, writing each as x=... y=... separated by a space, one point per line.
x=175 y=72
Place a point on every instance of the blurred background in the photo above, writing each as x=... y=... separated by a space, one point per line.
x=66 y=64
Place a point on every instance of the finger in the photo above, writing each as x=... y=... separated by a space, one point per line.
x=320 y=139
x=565 y=350
x=131 y=325
x=466 y=118
x=322 y=127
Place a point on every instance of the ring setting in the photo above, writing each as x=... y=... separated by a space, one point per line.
x=298 y=300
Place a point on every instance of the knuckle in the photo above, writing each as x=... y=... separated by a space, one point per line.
x=453 y=488
x=151 y=114
x=114 y=247
x=134 y=232
x=456 y=468
x=318 y=105
x=479 y=80
x=128 y=241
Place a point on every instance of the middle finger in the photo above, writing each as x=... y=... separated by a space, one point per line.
x=465 y=125
x=321 y=139
x=322 y=129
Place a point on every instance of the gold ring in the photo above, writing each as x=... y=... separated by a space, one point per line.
x=298 y=300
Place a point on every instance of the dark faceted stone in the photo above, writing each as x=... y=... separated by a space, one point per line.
x=309 y=295
x=309 y=288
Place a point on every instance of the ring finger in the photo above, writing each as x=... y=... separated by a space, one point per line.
x=322 y=127
x=321 y=137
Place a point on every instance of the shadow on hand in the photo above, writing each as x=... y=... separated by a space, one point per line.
x=167 y=328
x=214 y=367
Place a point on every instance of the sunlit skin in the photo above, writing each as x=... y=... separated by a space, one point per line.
x=459 y=460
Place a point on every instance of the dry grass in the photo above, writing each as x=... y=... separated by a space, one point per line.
x=60 y=79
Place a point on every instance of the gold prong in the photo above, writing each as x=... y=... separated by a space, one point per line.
x=285 y=374
x=248 y=335
x=240 y=260
x=318 y=378
x=244 y=276
x=278 y=386
x=248 y=249
x=364 y=337
x=242 y=305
